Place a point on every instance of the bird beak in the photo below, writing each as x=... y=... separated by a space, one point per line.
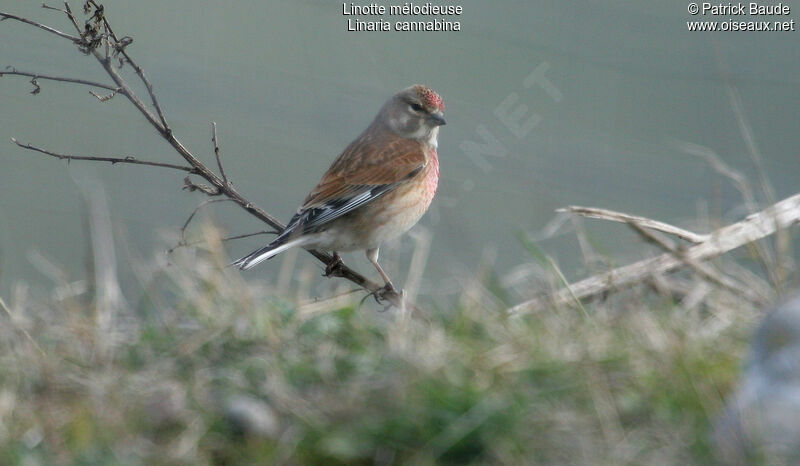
x=437 y=119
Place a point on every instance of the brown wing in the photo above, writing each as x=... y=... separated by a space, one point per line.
x=367 y=162
x=366 y=170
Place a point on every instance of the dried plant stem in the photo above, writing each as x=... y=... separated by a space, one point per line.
x=702 y=269
x=779 y=216
x=644 y=222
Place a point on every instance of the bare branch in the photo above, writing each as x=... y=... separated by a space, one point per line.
x=149 y=87
x=605 y=214
x=216 y=152
x=113 y=160
x=120 y=48
x=48 y=7
x=780 y=215
x=88 y=42
x=4 y=16
x=14 y=72
x=68 y=11
x=229 y=191
x=126 y=90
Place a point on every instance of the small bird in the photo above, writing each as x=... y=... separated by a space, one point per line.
x=376 y=190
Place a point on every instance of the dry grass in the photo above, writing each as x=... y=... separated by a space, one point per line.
x=210 y=369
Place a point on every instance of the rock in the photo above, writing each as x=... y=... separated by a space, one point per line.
x=761 y=420
x=251 y=417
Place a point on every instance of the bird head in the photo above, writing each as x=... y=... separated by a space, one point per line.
x=416 y=112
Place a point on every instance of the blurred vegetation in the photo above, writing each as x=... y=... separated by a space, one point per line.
x=208 y=369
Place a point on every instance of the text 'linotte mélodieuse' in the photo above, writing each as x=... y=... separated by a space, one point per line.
x=406 y=9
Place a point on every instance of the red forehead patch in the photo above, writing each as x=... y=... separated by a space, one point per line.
x=431 y=98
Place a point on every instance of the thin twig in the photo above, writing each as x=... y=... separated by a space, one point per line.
x=14 y=71
x=121 y=48
x=182 y=241
x=215 y=141
x=48 y=7
x=112 y=160
x=68 y=12
x=4 y=16
x=606 y=214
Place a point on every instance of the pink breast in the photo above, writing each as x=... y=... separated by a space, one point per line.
x=432 y=178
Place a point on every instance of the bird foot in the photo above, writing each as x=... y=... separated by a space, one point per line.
x=387 y=290
x=382 y=295
x=334 y=267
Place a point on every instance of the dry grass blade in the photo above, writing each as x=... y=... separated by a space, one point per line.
x=765 y=255
x=24 y=332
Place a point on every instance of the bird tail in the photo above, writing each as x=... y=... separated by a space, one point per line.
x=267 y=252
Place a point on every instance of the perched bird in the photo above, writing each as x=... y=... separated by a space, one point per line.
x=376 y=190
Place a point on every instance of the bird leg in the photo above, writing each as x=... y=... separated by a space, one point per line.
x=372 y=256
x=334 y=267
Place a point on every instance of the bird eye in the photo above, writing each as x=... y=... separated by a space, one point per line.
x=416 y=107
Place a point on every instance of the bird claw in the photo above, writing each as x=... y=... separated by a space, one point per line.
x=334 y=267
x=382 y=295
